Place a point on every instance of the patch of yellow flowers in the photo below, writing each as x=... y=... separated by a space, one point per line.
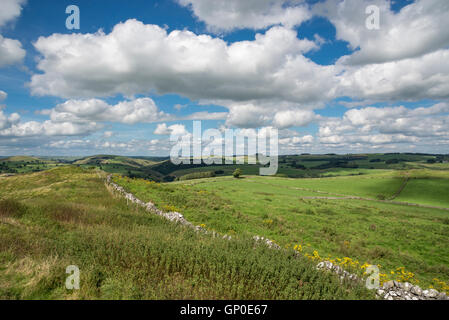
x=441 y=285
x=170 y=208
x=399 y=274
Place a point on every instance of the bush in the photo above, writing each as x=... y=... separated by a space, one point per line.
x=237 y=173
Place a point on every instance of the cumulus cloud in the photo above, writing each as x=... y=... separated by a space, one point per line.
x=419 y=28
x=297 y=140
x=48 y=128
x=6 y=121
x=138 y=58
x=11 y=126
x=414 y=79
x=11 y=51
x=373 y=127
x=226 y=15
x=279 y=115
x=11 y=9
x=128 y=112
x=3 y=95
x=259 y=81
x=175 y=129
x=293 y=118
x=142 y=110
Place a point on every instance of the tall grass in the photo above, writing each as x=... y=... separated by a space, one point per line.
x=123 y=252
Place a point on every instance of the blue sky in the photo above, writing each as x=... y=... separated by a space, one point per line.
x=337 y=88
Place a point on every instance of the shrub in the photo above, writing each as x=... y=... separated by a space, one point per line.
x=237 y=173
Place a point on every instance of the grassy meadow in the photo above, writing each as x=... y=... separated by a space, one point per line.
x=67 y=216
x=408 y=242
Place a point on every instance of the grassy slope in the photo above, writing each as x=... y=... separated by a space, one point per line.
x=428 y=187
x=106 y=159
x=66 y=216
x=378 y=233
x=20 y=159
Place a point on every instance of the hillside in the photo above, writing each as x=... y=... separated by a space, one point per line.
x=111 y=159
x=372 y=218
x=20 y=159
x=161 y=169
x=66 y=216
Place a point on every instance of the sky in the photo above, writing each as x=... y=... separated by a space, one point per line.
x=322 y=72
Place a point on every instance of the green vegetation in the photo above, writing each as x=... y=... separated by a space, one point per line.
x=334 y=206
x=23 y=164
x=197 y=175
x=66 y=216
x=161 y=169
x=316 y=214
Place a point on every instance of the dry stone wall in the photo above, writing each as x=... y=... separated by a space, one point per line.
x=391 y=290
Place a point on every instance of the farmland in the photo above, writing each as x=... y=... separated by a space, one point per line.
x=338 y=208
x=318 y=215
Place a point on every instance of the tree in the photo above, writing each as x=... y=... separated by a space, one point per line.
x=237 y=173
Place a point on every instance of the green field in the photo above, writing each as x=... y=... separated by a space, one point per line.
x=390 y=210
x=295 y=211
x=24 y=164
x=67 y=216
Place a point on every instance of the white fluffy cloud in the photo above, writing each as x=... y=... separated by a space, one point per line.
x=11 y=126
x=11 y=51
x=254 y=14
x=175 y=129
x=142 y=110
x=139 y=58
x=279 y=115
x=293 y=118
x=10 y=10
x=413 y=79
x=6 y=121
x=373 y=127
x=267 y=81
x=47 y=128
x=130 y=112
x=419 y=28
x=296 y=140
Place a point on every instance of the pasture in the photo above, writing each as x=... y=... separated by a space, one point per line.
x=318 y=215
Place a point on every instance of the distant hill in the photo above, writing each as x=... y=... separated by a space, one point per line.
x=21 y=159
x=111 y=159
